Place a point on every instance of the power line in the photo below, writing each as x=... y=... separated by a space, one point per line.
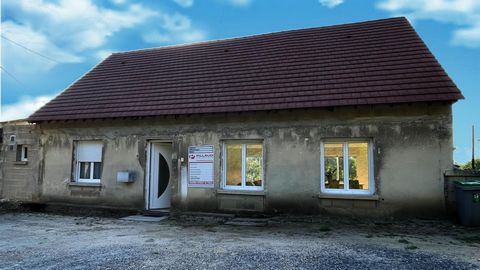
x=30 y=50
x=12 y=76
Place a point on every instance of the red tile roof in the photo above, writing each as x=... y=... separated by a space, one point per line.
x=375 y=62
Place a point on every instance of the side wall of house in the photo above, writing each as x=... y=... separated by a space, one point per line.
x=20 y=180
x=412 y=147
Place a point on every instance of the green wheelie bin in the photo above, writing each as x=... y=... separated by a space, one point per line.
x=467 y=195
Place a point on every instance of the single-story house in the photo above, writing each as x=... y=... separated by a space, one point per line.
x=353 y=119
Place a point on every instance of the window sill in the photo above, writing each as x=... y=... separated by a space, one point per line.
x=79 y=184
x=241 y=192
x=349 y=197
x=20 y=163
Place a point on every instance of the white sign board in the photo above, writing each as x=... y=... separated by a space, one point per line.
x=200 y=166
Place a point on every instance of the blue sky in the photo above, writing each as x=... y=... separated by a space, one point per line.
x=46 y=45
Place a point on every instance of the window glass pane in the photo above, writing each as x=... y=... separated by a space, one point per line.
x=253 y=164
x=358 y=165
x=234 y=164
x=19 y=153
x=85 y=170
x=333 y=156
x=25 y=152
x=97 y=170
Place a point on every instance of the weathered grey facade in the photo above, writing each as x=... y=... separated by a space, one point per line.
x=20 y=176
x=412 y=148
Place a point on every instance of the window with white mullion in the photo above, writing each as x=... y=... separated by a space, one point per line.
x=243 y=166
x=88 y=161
x=346 y=167
x=244 y=154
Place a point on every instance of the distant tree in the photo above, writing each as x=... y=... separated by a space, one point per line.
x=468 y=165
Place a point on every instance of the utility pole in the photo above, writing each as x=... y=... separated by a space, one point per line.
x=473 y=147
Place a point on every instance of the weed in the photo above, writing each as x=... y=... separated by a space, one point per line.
x=403 y=241
x=325 y=228
x=470 y=239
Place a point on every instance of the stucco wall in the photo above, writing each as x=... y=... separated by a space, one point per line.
x=412 y=147
x=20 y=180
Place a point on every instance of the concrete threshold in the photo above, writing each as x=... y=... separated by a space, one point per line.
x=157 y=213
x=144 y=218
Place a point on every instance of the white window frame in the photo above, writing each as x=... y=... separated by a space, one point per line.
x=24 y=150
x=243 y=187
x=346 y=188
x=92 y=163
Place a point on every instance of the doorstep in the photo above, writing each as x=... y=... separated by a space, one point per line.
x=144 y=218
x=157 y=212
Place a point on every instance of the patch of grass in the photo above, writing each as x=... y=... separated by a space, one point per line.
x=325 y=228
x=470 y=239
x=411 y=247
x=403 y=241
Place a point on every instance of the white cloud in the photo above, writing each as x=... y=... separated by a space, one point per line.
x=103 y=54
x=330 y=3
x=156 y=37
x=239 y=3
x=119 y=2
x=189 y=36
x=20 y=61
x=23 y=108
x=464 y=14
x=469 y=37
x=62 y=30
x=184 y=3
x=192 y=36
x=79 y=24
x=175 y=22
x=177 y=28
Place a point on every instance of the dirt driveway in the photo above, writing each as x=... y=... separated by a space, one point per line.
x=44 y=241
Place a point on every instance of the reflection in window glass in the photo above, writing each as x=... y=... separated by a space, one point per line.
x=234 y=165
x=84 y=170
x=358 y=165
x=97 y=169
x=254 y=165
x=333 y=156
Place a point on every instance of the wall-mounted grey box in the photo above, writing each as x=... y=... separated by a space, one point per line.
x=125 y=177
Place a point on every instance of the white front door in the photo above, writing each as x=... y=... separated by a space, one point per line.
x=160 y=174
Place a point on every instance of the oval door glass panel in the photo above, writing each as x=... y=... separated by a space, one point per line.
x=163 y=175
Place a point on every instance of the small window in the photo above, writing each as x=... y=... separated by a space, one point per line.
x=243 y=166
x=12 y=138
x=346 y=167
x=22 y=153
x=88 y=162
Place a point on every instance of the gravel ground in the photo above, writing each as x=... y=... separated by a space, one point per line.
x=43 y=241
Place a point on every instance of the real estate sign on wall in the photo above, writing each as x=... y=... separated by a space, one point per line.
x=200 y=166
